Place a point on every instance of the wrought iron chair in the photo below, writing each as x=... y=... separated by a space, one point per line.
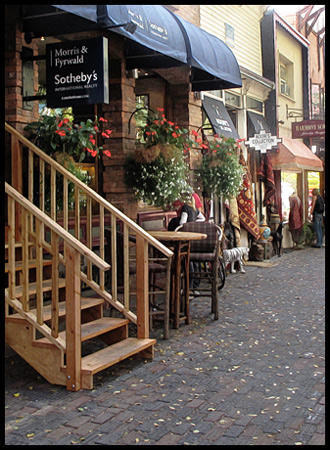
x=206 y=251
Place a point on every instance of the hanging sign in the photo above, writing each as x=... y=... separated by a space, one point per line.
x=77 y=73
x=308 y=128
x=263 y=141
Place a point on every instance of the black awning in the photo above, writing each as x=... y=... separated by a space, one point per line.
x=214 y=65
x=256 y=123
x=157 y=35
x=52 y=20
x=219 y=118
x=161 y=38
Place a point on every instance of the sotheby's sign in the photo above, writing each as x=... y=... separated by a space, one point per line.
x=77 y=73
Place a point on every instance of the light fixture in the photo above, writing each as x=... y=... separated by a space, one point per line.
x=130 y=27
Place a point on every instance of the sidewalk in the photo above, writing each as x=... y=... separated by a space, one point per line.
x=256 y=376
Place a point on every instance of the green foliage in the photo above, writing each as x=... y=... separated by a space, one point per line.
x=158 y=173
x=220 y=170
x=59 y=133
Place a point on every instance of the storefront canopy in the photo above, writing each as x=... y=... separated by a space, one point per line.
x=294 y=155
x=161 y=38
x=219 y=118
x=257 y=123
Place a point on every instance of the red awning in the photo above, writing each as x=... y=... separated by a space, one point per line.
x=294 y=155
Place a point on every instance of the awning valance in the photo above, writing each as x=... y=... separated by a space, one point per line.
x=219 y=118
x=161 y=38
x=294 y=155
x=258 y=123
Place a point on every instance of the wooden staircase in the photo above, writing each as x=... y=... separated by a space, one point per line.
x=50 y=360
x=47 y=314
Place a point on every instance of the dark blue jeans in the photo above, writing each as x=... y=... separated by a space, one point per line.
x=317 y=224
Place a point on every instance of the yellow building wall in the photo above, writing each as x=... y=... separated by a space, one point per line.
x=245 y=21
x=289 y=50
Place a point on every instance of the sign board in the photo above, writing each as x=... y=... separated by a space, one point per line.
x=308 y=129
x=263 y=141
x=77 y=73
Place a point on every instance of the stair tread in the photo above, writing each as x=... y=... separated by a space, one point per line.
x=113 y=354
x=31 y=264
x=92 y=329
x=46 y=286
x=86 y=302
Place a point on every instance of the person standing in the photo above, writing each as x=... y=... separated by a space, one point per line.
x=317 y=210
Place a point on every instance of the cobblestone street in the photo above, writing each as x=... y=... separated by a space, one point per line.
x=256 y=376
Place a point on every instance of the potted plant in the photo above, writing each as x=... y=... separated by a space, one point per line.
x=220 y=171
x=68 y=143
x=59 y=133
x=157 y=172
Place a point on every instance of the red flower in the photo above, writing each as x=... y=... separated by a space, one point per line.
x=61 y=133
x=60 y=124
x=175 y=135
x=66 y=121
x=101 y=119
x=109 y=131
x=107 y=153
x=92 y=141
x=105 y=135
x=93 y=152
x=160 y=109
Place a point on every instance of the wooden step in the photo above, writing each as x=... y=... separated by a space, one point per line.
x=46 y=287
x=32 y=264
x=113 y=354
x=86 y=302
x=90 y=330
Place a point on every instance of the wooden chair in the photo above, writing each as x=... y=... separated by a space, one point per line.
x=206 y=251
x=158 y=266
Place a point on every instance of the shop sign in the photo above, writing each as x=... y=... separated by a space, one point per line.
x=77 y=73
x=263 y=141
x=308 y=129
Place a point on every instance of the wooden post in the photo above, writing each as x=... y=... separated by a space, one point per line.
x=73 y=320
x=17 y=178
x=142 y=287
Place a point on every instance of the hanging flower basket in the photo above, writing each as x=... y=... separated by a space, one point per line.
x=220 y=170
x=157 y=172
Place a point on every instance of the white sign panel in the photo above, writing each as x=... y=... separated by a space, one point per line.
x=263 y=141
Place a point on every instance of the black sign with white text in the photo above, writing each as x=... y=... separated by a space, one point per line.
x=77 y=73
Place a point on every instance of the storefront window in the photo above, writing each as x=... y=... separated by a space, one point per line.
x=255 y=105
x=288 y=187
x=232 y=99
x=313 y=181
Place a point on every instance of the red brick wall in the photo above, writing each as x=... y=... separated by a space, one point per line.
x=14 y=42
x=122 y=143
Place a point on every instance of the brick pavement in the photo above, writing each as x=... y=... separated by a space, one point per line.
x=255 y=376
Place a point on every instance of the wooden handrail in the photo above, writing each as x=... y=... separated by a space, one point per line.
x=91 y=193
x=65 y=235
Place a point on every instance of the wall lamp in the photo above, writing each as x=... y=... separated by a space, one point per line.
x=130 y=27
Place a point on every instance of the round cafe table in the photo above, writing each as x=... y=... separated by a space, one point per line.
x=179 y=242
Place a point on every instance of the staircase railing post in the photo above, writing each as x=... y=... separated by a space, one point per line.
x=73 y=319
x=142 y=287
